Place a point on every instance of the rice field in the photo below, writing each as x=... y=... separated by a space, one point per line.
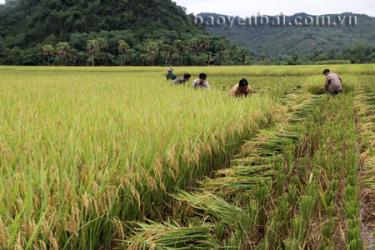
x=118 y=158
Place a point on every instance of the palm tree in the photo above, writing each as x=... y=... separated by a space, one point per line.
x=93 y=48
x=103 y=44
x=180 y=48
x=152 y=50
x=244 y=55
x=123 y=48
x=194 y=45
x=204 y=44
x=103 y=47
x=220 y=48
x=63 y=51
x=168 y=52
x=48 y=51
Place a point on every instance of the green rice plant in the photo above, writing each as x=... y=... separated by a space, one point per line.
x=305 y=109
x=229 y=186
x=82 y=150
x=259 y=170
x=236 y=178
x=366 y=126
x=169 y=236
x=239 y=179
x=333 y=62
x=206 y=203
x=278 y=220
x=300 y=225
x=276 y=225
x=316 y=90
x=339 y=182
x=369 y=172
x=255 y=160
x=265 y=147
x=315 y=185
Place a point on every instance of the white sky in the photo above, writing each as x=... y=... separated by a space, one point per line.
x=275 y=7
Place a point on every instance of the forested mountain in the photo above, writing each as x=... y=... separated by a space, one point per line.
x=315 y=42
x=159 y=32
x=106 y=32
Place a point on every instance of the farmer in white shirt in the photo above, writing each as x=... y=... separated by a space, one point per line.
x=201 y=83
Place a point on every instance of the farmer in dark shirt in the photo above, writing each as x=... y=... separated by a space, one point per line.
x=171 y=75
x=182 y=80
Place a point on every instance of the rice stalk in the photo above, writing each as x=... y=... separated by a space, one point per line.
x=169 y=236
x=212 y=205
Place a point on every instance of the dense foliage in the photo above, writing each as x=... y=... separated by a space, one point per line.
x=117 y=32
x=156 y=32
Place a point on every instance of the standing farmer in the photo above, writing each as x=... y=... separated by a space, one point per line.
x=242 y=89
x=333 y=83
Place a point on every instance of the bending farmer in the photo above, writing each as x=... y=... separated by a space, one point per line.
x=182 y=80
x=170 y=74
x=333 y=83
x=242 y=89
x=201 y=83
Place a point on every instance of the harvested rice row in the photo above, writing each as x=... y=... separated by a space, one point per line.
x=327 y=210
x=234 y=203
x=365 y=104
x=290 y=179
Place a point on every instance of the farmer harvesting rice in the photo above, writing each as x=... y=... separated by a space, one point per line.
x=201 y=83
x=333 y=83
x=182 y=80
x=170 y=74
x=242 y=89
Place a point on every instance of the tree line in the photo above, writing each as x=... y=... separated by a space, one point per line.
x=101 y=51
x=358 y=54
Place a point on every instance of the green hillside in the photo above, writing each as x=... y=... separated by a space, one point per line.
x=317 y=42
x=155 y=32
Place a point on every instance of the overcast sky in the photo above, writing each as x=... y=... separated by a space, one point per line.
x=275 y=7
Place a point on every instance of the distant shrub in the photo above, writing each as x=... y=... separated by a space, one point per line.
x=333 y=62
